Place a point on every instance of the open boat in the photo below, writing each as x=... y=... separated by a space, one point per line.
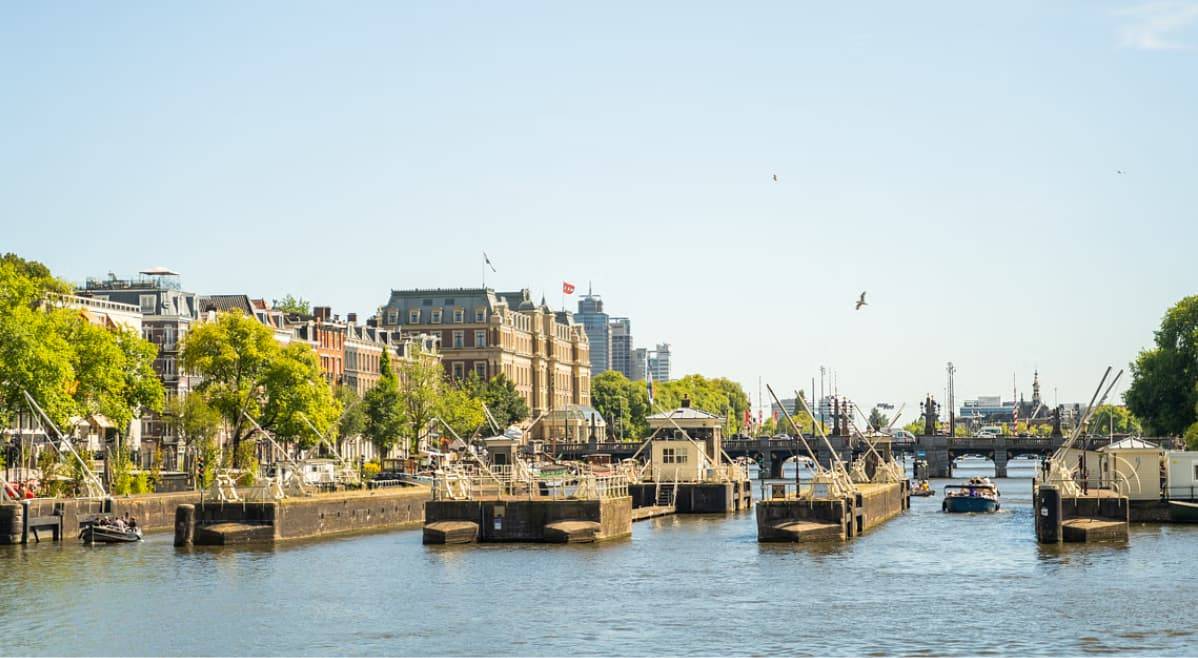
x=107 y=530
x=1181 y=511
x=979 y=495
x=922 y=489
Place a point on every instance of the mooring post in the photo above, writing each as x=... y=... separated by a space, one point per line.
x=25 y=521
x=185 y=516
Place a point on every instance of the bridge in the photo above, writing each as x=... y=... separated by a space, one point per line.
x=771 y=453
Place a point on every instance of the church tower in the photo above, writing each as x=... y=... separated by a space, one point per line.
x=1036 y=389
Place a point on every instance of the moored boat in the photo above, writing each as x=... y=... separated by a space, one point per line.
x=977 y=496
x=1181 y=511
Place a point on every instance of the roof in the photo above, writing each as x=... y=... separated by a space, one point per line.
x=1130 y=443
x=159 y=270
x=222 y=303
x=585 y=412
x=688 y=413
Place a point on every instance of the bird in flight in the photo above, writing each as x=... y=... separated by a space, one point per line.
x=861 y=301
x=1120 y=171
x=775 y=178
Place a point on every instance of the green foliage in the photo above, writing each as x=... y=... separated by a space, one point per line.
x=51 y=467
x=70 y=366
x=1110 y=416
x=878 y=420
x=915 y=427
x=292 y=304
x=371 y=469
x=247 y=458
x=718 y=396
x=461 y=411
x=382 y=408
x=1164 y=387
x=245 y=370
x=1191 y=436
x=210 y=451
x=501 y=397
x=624 y=404
x=421 y=383
x=120 y=470
x=193 y=419
x=353 y=414
x=141 y=483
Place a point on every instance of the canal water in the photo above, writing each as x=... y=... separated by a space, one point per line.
x=924 y=583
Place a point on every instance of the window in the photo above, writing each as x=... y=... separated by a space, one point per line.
x=392 y=317
x=459 y=339
x=667 y=456
x=459 y=316
x=480 y=315
x=480 y=369
x=414 y=316
x=480 y=338
x=149 y=304
x=437 y=316
x=426 y=302
x=458 y=371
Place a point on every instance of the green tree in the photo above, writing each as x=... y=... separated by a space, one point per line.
x=382 y=408
x=460 y=410
x=292 y=304
x=245 y=372
x=624 y=404
x=1110 y=417
x=353 y=414
x=1164 y=379
x=421 y=382
x=501 y=397
x=718 y=396
x=878 y=420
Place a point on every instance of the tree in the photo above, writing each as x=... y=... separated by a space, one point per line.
x=421 y=382
x=1164 y=379
x=382 y=407
x=292 y=304
x=461 y=411
x=623 y=403
x=501 y=397
x=1110 y=417
x=192 y=418
x=353 y=414
x=245 y=372
x=718 y=396
x=878 y=420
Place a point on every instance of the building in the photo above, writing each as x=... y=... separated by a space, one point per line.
x=639 y=366
x=659 y=362
x=621 y=346
x=545 y=354
x=167 y=313
x=597 y=325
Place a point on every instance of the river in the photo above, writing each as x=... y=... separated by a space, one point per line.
x=924 y=583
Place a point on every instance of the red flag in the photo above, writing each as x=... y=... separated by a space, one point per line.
x=567 y=287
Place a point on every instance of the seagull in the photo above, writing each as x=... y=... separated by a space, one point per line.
x=775 y=178
x=861 y=301
x=1120 y=171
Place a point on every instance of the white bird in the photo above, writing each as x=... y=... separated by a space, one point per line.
x=861 y=301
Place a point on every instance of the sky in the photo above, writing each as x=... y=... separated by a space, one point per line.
x=957 y=161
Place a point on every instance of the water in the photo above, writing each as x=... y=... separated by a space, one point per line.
x=924 y=583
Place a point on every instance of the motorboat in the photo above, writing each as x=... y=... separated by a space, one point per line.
x=109 y=530
x=922 y=489
x=977 y=496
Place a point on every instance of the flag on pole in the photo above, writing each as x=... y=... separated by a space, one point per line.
x=488 y=261
x=567 y=288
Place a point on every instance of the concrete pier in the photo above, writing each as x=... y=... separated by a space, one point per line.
x=536 y=520
x=791 y=519
x=697 y=497
x=1098 y=515
x=223 y=523
x=154 y=513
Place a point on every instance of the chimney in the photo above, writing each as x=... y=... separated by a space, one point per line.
x=686 y=402
x=351 y=318
x=322 y=312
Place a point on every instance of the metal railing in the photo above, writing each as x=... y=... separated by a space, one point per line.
x=518 y=482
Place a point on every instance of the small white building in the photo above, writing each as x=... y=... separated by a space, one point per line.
x=686 y=444
x=1134 y=466
x=1182 y=474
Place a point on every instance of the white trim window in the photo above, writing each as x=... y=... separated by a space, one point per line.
x=414 y=316
x=480 y=369
x=459 y=316
x=436 y=316
x=459 y=339
x=480 y=338
x=458 y=370
x=480 y=315
x=148 y=303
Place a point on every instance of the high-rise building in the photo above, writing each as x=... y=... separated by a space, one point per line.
x=596 y=323
x=621 y=346
x=640 y=364
x=659 y=363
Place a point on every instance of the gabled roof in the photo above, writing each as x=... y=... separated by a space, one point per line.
x=222 y=303
x=689 y=413
x=1130 y=443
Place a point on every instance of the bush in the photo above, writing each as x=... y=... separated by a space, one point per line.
x=141 y=484
x=371 y=469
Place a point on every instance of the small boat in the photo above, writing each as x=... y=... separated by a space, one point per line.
x=1181 y=511
x=922 y=489
x=108 y=530
x=978 y=496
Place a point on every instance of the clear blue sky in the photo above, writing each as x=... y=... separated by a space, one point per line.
x=957 y=161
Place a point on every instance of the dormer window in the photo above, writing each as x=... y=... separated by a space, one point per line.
x=459 y=316
x=480 y=315
x=413 y=316
x=392 y=317
x=436 y=316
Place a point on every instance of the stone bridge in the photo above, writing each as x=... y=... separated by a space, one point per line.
x=772 y=453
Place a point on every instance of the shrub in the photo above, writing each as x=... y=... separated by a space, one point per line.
x=371 y=469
